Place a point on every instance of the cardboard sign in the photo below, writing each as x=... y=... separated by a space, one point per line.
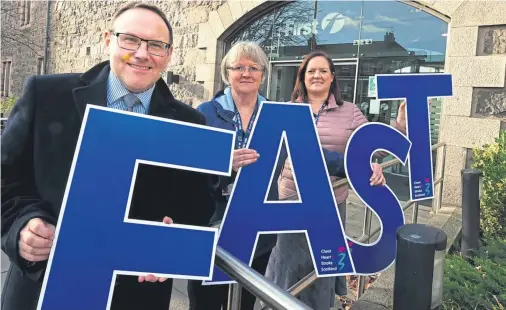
x=249 y=213
x=316 y=214
x=95 y=240
x=112 y=143
x=416 y=90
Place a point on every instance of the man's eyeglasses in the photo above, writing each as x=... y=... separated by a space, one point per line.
x=241 y=69
x=132 y=43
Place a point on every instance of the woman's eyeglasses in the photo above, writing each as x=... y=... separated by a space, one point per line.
x=251 y=69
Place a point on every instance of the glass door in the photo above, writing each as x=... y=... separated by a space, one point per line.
x=346 y=78
x=282 y=81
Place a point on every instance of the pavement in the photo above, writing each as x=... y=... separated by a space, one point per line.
x=354 y=229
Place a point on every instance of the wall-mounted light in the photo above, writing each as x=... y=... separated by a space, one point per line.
x=172 y=78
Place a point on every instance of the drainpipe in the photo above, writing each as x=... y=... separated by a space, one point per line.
x=46 y=37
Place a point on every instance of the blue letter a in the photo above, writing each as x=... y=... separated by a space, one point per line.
x=315 y=214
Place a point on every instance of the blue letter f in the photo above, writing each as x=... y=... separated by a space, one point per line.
x=95 y=240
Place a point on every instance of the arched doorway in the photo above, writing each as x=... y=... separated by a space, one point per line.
x=364 y=38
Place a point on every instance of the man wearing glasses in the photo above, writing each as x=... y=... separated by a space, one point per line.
x=39 y=142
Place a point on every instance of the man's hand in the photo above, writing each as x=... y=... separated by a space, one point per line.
x=150 y=277
x=36 y=240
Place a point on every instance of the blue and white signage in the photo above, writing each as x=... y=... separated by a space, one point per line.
x=113 y=143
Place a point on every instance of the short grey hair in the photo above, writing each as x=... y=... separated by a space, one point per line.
x=248 y=50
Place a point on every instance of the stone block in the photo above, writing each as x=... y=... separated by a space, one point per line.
x=192 y=57
x=478 y=71
x=460 y=103
x=208 y=90
x=197 y=15
x=211 y=55
x=468 y=131
x=248 y=6
x=455 y=160
x=447 y=7
x=178 y=40
x=489 y=102
x=452 y=191
x=175 y=58
x=226 y=15
x=216 y=23
x=477 y=13
x=492 y=40
x=235 y=8
x=463 y=41
x=82 y=51
x=429 y=3
x=206 y=35
x=204 y=73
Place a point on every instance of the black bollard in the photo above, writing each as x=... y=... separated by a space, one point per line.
x=419 y=267
x=471 y=192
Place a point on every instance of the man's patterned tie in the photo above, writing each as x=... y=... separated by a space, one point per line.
x=131 y=100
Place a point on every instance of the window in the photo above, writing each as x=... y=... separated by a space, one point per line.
x=40 y=65
x=6 y=78
x=25 y=12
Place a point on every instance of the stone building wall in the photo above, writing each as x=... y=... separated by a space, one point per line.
x=22 y=44
x=77 y=39
x=476 y=57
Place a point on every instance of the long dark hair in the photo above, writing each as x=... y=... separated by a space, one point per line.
x=300 y=91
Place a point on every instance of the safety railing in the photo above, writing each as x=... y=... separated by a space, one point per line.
x=271 y=294
x=277 y=299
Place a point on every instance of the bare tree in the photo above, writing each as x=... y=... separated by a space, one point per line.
x=289 y=25
x=13 y=35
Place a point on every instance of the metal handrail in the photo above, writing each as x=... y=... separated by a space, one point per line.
x=344 y=181
x=387 y=164
x=271 y=294
x=298 y=287
x=249 y=278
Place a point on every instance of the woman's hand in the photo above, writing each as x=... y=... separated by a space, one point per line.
x=377 y=177
x=244 y=157
x=401 y=116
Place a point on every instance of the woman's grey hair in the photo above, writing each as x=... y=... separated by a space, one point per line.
x=248 y=50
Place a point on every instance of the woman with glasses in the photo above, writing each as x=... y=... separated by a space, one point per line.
x=335 y=119
x=235 y=108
